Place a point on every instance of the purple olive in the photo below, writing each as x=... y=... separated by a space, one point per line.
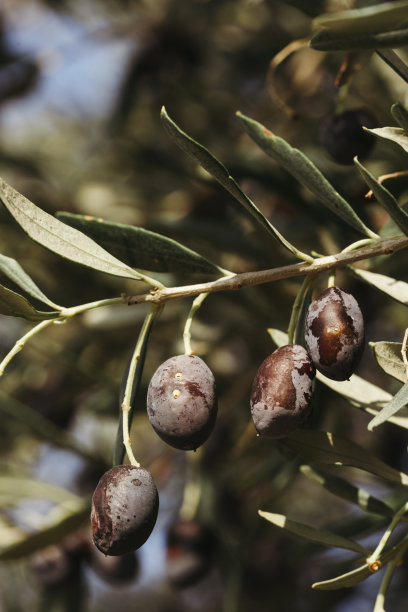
x=334 y=333
x=182 y=402
x=282 y=391
x=343 y=136
x=124 y=509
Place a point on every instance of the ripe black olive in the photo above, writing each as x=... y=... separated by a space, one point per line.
x=124 y=509
x=334 y=333
x=343 y=135
x=181 y=401
x=281 y=391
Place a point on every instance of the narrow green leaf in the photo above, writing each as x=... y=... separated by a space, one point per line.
x=15 y=305
x=347 y=491
x=12 y=269
x=18 y=487
x=347 y=580
x=395 y=134
x=59 y=237
x=63 y=520
x=396 y=289
x=330 y=40
x=295 y=162
x=366 y=19
x=320 y=536
x=394 y=61
x=141 y=248
x=324 y=447
x=220 y=173
x=400 y=115
x=385 y=198
x=399 y=400
x=389 y=358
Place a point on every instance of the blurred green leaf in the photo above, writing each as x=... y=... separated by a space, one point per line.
x=396 y=289
x=346 y=580
x=395 y=134
x=378 y=17
x=325 y=447
x=400 y=114
x=63 y=519
x=399 y=400
x=141 y=248
x=385 y=198
x=388 y=356
x=346 y=490
x=297 y=164
x=220 y=173
x=330 y=40
x=59 y=237
x=18 y=487
x=15 y=305
x=394 y=61
x=12 y=269
x=320 y=536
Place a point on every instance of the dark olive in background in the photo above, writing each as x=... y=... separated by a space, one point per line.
x=124 y=509
x=190 y=546
x=334 y=333
x=182 y=402
x=343 y=136
x=281 y=391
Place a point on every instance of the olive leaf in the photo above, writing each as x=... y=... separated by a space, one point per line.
x=303 y=169
x=327 y=448
x=347 y=491
x=395 y=134
x=220 y=173
x=12 y=269
x=62 y=520
x=15 y=305
x=347 y=580
x=60 y=238
x=17 y=487
x=141 y=248
x=400 y=114
x=385 y=198
x=319 y=536
x=399 y=400
x=331 y=40
x=366 y=19
x=396 y=289
x=388 y=356
x=394 y=61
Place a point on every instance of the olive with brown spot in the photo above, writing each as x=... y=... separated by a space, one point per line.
x=282 y=391
x=182 y=401
x=124 y=509
x=334 y=333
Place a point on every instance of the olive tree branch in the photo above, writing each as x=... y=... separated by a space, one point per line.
x=259 y=277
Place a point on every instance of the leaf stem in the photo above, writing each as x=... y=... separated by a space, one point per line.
x=21 y=342
x=259 y=277
x=187 y=328
x=68 y=313
x=373 y=558
x=379 y=602
x=154 y=312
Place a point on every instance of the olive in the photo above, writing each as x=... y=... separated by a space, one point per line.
x=334 y=333
x=124 y=509
x=343 y=136
x=281 y=391
x=190 y=548
x=182 y=401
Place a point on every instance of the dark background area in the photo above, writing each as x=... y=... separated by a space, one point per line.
x=81 y=88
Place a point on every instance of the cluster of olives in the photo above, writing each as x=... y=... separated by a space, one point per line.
x=182 y=409
x=282 y=389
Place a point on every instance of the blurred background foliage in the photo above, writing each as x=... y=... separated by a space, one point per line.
x=81 y=87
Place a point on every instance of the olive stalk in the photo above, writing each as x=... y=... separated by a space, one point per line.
x=251 y=279
x=187 y=328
